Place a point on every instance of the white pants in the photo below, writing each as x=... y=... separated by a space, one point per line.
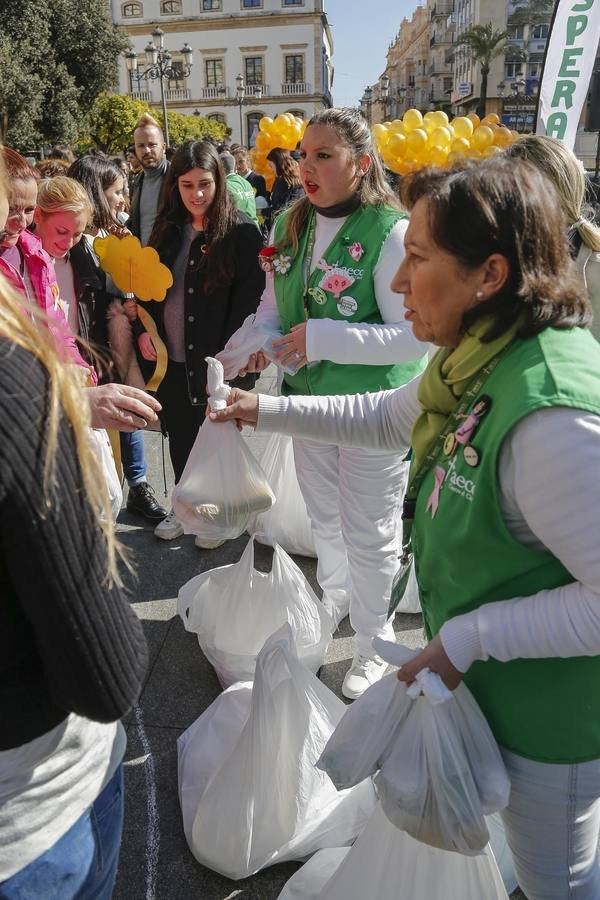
x=354 y=499
x=552 y=827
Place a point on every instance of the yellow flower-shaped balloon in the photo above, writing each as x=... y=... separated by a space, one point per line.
x=133 y=268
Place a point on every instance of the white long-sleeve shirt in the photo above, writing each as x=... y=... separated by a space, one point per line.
x=348 y=342
x=550 y=497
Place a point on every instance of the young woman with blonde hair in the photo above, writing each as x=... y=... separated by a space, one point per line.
x=344 y=331
x=73 y=652
x=566 y=172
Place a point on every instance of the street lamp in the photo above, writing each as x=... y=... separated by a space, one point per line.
x=518 y=89
x=159 y=65
x=365 y=103
x=384 y=93
x=240 y=98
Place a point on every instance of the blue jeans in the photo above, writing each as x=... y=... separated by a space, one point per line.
x=83 y=863
x=132 y=456
x=552 y=827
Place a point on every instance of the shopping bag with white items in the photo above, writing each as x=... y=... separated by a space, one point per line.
x=251 y=337
x=387 y=863
x=235 y=608
x=438 y=770
x=222 y=484
x=287 y=522
x=250 y=793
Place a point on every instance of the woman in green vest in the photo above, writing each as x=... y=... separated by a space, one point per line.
x=502 y=511
x=328 y=291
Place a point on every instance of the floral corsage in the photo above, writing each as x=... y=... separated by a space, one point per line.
x=270 y=259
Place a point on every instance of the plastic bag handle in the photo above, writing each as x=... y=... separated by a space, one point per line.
x=426 y=682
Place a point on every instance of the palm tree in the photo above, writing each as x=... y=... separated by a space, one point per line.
x=485 y=43
x=532 y=13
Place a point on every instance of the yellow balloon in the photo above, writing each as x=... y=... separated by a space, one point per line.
x=262 y=142
x=491 y=119
x=379 y=130
x=474 y=119
x=396 y=144
x=430 y=122
x=454 y=158
x=460 y=146
x=491 y=151
x=463 y=127
x=440 y=137
x=416 y=140
x=397 y=125
x=440 y=118
x=265 y=124
x=502 y=137
x=438 y=156
x=412 y=119
x=483 y=137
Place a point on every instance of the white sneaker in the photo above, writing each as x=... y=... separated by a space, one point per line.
x=169 y=529
x=205 y=544
x=363 y=672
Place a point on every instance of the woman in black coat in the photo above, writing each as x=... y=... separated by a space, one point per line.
x=212 y=251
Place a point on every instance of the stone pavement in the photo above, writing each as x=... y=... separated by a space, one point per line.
x=156 y=863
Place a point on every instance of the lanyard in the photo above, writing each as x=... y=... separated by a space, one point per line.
x=307 y=262
x=416 y=478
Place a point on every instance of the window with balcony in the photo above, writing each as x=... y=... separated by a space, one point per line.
x=253 y=70
x=540 y=32
x=217 y=117
x=294 y=68
x=177 y=80
x=534 y=70
x=213 y=72
x=513 y=70
x=170 y=8
x=132 y=10
x=515 y=32
x=211 y=5
x=250 y=4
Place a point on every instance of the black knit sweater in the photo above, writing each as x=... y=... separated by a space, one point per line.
x=68 y=643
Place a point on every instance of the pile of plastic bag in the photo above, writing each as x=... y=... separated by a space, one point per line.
x=250 y=793
x=235 y=608
x=287 y=522
x=387 y=863
x=222 y=485
x=436 y=766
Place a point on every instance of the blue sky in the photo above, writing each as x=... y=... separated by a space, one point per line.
x=362 y=31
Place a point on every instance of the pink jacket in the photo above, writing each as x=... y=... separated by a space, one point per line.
x=45 y=286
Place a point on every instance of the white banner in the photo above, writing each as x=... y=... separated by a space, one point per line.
x=568 y=66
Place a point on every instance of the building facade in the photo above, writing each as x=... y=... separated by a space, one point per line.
x=281 y=49
x=407 y=68
x=466 y=70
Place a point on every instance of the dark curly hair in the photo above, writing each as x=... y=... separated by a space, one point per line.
x=505 y=206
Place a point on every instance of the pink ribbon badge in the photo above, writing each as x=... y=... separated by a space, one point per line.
x=439 y=475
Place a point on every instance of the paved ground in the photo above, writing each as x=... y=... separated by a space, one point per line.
x=156 y=863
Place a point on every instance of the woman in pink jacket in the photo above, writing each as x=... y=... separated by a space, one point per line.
x=24 y=263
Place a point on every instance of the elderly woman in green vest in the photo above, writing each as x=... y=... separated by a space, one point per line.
x=502 y=511
x=328 y=291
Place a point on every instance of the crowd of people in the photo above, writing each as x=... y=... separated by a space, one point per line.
x=441 y=382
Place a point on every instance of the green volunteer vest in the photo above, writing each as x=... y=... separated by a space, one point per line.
x=243 y=195
x=343 y=291
x=543 y=709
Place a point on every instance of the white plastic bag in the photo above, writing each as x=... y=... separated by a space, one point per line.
x=250 y=793
x=100 y=443
x=222 y=484
x=249 y=338
x=439 y=770
x=387 y=863
x=287 y=522
x=235 y=608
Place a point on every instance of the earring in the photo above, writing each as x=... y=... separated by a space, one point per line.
x=479 y=295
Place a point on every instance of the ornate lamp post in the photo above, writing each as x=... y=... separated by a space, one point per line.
x=240 y=98
x=365 y=103
x=159 y=66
